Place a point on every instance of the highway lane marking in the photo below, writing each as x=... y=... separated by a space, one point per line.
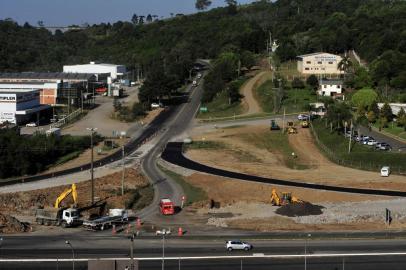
x=281 y=256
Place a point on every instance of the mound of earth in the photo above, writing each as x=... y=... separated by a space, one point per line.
x=9 y=224
x=299 y=209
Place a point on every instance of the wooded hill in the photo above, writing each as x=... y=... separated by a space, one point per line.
x=375 y=29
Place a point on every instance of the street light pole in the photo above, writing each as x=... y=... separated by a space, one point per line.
x=305 y=256
x=132 y=251
x=73 y=254
x=164 y=232
x=1 y=244
x=92 y=130
x=123 y=173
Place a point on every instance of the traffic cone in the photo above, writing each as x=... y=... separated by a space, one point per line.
x=180 y=231
x=113 y=232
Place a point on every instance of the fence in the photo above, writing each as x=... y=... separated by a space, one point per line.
x=358 y=164
x=66 y=119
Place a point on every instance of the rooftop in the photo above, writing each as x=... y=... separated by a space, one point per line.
x=331 y=82
x=312 y=54
x=47 y=76
x=13 y=91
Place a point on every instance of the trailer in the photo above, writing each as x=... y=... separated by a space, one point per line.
x=115 y=217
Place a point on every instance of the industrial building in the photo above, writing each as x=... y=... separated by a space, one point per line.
x=55 y=87
x=20 y=105
x=330 y=88
x=114 y=71
x=319 y=63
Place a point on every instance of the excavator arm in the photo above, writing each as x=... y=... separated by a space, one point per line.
x=275 y=200
x=65 y=194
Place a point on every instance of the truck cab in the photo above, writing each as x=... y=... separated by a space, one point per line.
x=70 y=217
x=166 y=207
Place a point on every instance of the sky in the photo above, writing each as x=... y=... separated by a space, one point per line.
x=68 y=12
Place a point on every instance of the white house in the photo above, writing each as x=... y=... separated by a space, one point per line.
x=330 y=88
x=396 y=107
x=319 y=63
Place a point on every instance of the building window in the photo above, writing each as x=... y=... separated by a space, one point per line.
x=306 y=68
x=308 y=62
x=323 y=69
x=338 y=86
x=330 y=63
x=325 y=86
x=319 y=62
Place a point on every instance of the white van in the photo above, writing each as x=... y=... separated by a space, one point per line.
x=385 y=171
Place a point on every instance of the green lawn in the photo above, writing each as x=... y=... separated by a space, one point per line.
x=193 y=194
x=295 y=100
x=276 y=142
x=394 y=130
x=361 y=156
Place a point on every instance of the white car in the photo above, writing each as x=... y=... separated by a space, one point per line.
x=156 y=105
x=238 y=245
x=32 y=124
x=372 y=142
x=385 y=171
x=302 y=117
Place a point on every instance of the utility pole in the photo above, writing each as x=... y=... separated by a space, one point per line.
x=123 y=173
x=349 y=144
x=283 y=123
x=92 y=130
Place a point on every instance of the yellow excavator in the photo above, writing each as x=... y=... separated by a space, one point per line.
x=287 y=198
x=65 y=194
x=291 y=129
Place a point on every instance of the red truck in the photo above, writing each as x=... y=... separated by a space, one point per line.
x=166 y=206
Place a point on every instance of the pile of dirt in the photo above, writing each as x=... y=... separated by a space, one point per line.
x=300 y=209
x=9 y=224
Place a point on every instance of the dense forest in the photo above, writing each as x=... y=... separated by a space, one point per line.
x=166 y=49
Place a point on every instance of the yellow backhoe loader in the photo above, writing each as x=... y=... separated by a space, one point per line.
x=287 y=198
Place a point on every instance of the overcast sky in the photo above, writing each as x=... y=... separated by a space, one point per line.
x=67 y=12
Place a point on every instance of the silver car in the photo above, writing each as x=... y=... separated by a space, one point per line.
x=238 y=245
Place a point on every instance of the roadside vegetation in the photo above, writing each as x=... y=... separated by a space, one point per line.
x=335 y=146
x=27 y=155
x=193 y=194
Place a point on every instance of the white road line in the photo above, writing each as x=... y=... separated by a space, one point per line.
x=280 y=256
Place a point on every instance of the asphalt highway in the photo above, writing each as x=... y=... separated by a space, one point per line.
x=41 y=247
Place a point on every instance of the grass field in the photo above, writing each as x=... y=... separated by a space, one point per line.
x=394 y=130
x=295 y=100
x=361 y=156
x=193 y=193
x=276 y=142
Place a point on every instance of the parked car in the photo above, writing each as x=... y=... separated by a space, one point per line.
x=384 y=146
x=32 y=124
x=238 y=245
x=156 y=105
x=371 y=142
x=385 y=171
x=302 y=117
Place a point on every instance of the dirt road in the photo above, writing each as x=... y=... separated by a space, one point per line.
x=247 y=90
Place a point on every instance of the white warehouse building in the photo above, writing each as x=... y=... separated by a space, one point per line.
x=95 y=68
x=19 y=105
x=319 y=63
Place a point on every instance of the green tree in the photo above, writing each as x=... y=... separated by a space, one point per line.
x=364 y=97
x=371 y=117
x=149 y=18
x=312 y=81
x=231 y=6
x=298 y=83
x=338 y=113
x=386 y=112
x=202 y=4
x=401 y=118
x=134 y=19
x=345 y=64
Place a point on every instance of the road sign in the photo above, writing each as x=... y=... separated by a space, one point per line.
x=203 y=109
